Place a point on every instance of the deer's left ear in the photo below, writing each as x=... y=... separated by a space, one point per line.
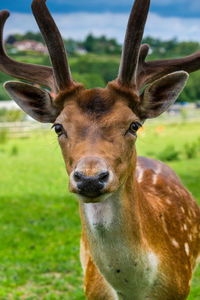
x=162 y=93
x=36 y=102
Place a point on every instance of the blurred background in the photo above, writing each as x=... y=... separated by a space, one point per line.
x=39 y=219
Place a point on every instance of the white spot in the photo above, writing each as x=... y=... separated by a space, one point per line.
x=140 y=175
x=183 y=210
x=153 y=262
x=115 y=296
x=190 y=237
x=187 y=250
x=175 y=243
x=158 y=170
x=154 y=178
x=193 y=213
x=168 y=201
x=165 y=226
x=153 y=259
x=185 y=227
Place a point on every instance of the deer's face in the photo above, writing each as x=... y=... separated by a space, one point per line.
x=97 y=133
x=96 y=128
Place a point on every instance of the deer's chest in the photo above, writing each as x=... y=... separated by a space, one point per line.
x=131 y=271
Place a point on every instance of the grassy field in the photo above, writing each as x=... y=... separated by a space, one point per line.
x=39 y=219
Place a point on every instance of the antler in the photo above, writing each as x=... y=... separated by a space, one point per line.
x=32 y=73
x=134 y=71
x=152 y=70
x=54 y=43
x=58 y=77
x=134 y=33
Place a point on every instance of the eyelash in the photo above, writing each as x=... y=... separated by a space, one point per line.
x=62 y=131
x=133 y=131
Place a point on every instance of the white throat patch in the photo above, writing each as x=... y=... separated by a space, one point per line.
x=99 y=214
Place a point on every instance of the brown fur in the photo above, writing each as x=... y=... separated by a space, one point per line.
x=140 y=237
x=159 y=213
x=161 y=223
x=156 y=214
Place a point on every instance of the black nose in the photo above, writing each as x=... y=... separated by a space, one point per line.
x=91 y=186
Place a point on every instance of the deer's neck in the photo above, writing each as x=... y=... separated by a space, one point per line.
x=113 y=232
x=114 y=224
x=118 y=215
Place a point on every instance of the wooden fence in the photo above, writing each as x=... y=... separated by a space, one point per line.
x=22 y=129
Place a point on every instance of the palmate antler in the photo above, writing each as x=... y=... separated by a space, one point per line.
x=134 y=71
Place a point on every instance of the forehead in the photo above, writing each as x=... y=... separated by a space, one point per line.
x=96 y=105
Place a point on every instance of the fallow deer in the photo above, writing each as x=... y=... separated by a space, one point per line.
x=140 y=226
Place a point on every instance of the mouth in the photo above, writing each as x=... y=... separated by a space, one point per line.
x=93 y=198
x=90 y=194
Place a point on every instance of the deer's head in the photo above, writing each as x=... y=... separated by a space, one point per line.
x=97 y=128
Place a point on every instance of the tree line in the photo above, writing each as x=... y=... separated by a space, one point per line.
x=95 y=60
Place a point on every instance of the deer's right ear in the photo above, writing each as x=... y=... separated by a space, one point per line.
x=36 y=102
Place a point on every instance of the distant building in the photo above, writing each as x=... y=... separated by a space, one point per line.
x=31 y=45
x=9 y=105
x=81 y=51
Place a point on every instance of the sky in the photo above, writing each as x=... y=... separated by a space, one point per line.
x=76 y=18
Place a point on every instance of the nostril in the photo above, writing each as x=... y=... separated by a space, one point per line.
x=78 y=176
x=103 y=177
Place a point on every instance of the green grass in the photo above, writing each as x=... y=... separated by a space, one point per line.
x=39 y=219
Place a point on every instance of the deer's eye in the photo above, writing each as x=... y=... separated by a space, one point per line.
x=58 y=129
x=134 y=127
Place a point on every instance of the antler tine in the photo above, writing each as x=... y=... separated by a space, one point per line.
x=144 y=50
x=152 y=70
x=28 y=72
x=54 y=43
x=134 y=33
